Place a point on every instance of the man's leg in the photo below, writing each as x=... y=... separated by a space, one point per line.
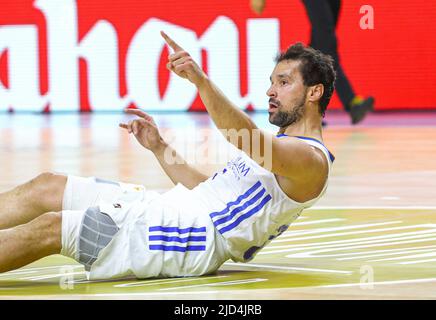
x=29 y=242
x=335 y=7
x=30 y=200
x=323 y=18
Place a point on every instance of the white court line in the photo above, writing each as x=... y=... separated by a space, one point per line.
x=5 y=275
x=317 y=222
x=288 y=238
x=144 y=294
x=385 y=252
x=305 y=254
x=31 y=270
x=366 y=284
x=408 y=257
x=214 y=284
x=354 y=243
x=303 y=236
x=127 y=278
x=162 y=281
x=293 y=233
x=52 y=276
x=236 y=282
x=372 y=207
x=417 y=261
x=265 y=266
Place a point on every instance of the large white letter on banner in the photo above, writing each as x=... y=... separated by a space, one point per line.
x=21 y=45
x=142 y=67
x=263 y=44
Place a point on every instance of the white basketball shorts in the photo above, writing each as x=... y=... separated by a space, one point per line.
x=119 y=230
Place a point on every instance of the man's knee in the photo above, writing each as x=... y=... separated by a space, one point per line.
x=47 y=189
x=48 y=229
x=31 y=241
x=42 y=236
x=49 y=177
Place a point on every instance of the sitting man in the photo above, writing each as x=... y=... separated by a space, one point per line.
x=121 y=230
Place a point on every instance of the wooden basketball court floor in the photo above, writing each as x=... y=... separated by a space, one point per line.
x=373 y=235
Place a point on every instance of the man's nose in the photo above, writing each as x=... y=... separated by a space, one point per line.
x=271 y=92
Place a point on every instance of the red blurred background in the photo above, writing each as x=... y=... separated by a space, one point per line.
x=394 y=62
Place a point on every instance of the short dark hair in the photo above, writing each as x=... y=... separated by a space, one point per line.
x=316 y=67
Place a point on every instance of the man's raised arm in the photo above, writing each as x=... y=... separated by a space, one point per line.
x=267 y=150
x=222 y=111
x=235 y=124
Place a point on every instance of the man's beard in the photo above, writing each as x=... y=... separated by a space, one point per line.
x=285 y=118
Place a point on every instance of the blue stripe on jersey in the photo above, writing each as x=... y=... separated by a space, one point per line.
x=175 y=229
x=246 y=215
x=159 y=239
x=176 y=248
x=241 y=208
x=281 y=135
x=176 y=239
x=237 y=201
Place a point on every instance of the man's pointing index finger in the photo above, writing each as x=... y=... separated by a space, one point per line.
x=171 y=42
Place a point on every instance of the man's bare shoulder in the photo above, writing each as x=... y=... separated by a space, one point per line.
x=309 y=174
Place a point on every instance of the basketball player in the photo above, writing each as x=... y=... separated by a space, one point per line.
x=122 y=230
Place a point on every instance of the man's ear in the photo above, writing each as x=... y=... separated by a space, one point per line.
x=316 y=92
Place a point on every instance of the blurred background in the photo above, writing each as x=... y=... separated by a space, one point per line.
x=67 y=55
x=68 y=68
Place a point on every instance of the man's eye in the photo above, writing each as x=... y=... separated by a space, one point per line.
x=283 y=82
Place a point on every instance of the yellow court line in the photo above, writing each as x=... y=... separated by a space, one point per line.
x=162 y=281
x=293 y=233
x=317 y=221
x=50 y=276
x=264 y=266
x=213 y=284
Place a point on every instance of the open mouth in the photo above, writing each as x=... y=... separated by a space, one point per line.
x=272 y=106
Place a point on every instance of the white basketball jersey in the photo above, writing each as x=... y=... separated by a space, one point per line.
x=248 y=207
